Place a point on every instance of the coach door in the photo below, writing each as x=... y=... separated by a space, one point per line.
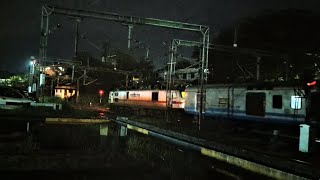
x=255 y=103
x=198 y=102
x=111 y=97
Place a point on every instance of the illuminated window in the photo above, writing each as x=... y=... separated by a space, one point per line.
x=296 y=102
x=277 y=101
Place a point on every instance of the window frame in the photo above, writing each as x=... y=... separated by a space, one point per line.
x=296 y=99
x=275 y=100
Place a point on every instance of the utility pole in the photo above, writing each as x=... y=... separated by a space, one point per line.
x=78 y=93
x=170 y=79
x=129 y=35
x=258 y=68
x=286 y=70
x=76 y=38
x=147 y=55
x=127 y=81
x=235 y=37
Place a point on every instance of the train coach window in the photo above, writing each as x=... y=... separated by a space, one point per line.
x=115 y=94
x=155 y=96
x=296 y=102
x=277 y=101
x=223 y=100
x=255 y=104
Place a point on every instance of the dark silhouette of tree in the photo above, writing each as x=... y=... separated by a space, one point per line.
x=288 y=34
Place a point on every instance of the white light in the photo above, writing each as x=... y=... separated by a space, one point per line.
x=296 y=102
x=32 y=62
x=61 y=68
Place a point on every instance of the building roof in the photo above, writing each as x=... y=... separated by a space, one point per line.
x=64 y=87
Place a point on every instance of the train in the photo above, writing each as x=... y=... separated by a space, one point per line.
x=150 y=99
x=276 y=104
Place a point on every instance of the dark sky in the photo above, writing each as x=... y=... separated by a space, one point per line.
x=20 y=24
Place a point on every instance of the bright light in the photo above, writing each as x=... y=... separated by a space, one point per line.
x=312 y=83
x=32 y=62
x=296 y=102
x=61 y=68
x=101 y=92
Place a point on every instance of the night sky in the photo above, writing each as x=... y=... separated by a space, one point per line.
x=20 y=25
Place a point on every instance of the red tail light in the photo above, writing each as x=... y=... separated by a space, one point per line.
x=313 y=83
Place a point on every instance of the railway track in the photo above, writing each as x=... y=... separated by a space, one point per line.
x=295 y=168
x=250 y=160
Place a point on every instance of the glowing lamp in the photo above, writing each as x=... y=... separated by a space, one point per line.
x=101 y=92
x=313 y=83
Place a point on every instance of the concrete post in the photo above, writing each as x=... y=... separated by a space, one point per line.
x=304 y=138
x=104 y=131
x=123 y=131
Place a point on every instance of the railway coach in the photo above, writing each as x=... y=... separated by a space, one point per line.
x=280 y=104
x=148 y=99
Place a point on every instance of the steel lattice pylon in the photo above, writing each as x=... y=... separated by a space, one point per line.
x=203 y=69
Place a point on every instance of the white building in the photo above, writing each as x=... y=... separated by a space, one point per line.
x=187 y=74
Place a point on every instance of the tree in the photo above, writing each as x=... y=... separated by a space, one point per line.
x=18 y=80
x=288 y=34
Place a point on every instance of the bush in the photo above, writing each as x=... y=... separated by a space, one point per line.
x=53 y=99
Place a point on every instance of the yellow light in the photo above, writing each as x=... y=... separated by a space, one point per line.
x=183 y=94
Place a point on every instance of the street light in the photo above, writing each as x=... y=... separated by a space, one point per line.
x=33 y=62
x=32 y=86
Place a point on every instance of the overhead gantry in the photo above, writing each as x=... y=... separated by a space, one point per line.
x=130 y=21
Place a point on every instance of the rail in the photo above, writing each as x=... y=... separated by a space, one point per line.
x=252 y=161
x=256 y=162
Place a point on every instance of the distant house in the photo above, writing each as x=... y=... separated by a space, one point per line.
x=186 y=75
x=64 y=92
